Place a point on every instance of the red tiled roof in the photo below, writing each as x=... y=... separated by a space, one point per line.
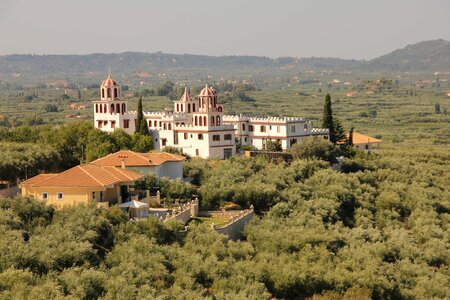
x=186 y=97
x=135 y=159
x=37 y=179
x=88 y=175
x=359 y=139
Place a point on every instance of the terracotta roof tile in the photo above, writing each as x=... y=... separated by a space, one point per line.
x=37 y=179
x=134 y=159
x=359 y=138
x=90 y=175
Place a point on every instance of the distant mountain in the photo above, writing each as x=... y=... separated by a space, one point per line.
x=424 y=56
x=136 y=66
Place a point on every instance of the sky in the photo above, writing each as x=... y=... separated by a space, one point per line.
x=358 y=29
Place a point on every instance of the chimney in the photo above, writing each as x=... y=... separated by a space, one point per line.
x=123 y=160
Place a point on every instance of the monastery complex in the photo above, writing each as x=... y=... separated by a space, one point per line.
x=198 y=126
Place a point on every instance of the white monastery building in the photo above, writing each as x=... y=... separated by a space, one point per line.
x=198 y=126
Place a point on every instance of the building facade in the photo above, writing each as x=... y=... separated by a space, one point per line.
x=198 y=126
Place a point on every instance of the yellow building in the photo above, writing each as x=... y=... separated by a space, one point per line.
x=83 y=184
x=363 y=142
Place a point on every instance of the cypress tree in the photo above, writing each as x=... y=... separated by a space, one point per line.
x=327 y=121
x=141 y=125
x=350 y=137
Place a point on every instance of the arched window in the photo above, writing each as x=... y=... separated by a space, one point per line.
x=169 y=126
x=103 y=93
x=204 y=121
x=109 y=92
x=165 y=126
x=96 y=108
x=182 y=123
x=217 y=121
x=117 y=108
x=160 y=123
x=105 y=108
x=101 y=108
x=178 y=107
x=155 y=124
x=124 y=108
x=219 y=109
x=200 y=121
x=243 y=126
x=212 y=121
x=115 y=93
x=182 y=107
x=112 y=108
x=189 y=107
x=193 y=107
x=149 y=123
x=176 y=124
x=196 y=121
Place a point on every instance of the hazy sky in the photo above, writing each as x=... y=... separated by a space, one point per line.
x=338 y=28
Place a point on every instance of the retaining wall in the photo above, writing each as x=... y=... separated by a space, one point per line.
x=9 y=192
x=234 y=228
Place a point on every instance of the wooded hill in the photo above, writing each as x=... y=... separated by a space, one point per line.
x=424 y=56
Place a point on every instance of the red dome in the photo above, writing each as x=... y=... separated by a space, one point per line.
x=109 y=82
x=206 y=92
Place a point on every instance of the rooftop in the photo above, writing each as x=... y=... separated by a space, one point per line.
x=135 y=159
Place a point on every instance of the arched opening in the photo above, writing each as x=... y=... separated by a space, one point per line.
x=101 y=108
x=177 y=124
x=217 y=121
x=165 y=126
x=115 y=93
x=109 y=92
x=149 y=123
x=124 y=108
x=112 y=108
x=105 y=108
x=196 y=121
x=117 y=108
x=182 y=123
x=193 y=107
x=204 y=121
x=96 y=108
x=243 y=127
x=103 y=93
x=169 y=126
x=178 y=107
x=219 y=109
x=155 y=124
x=212 y=121
x=189 y=107
x=200 y=121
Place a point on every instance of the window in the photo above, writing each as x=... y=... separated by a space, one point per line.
x=196 y=121
x=101 y=108
x=165 y=126
x=93 y=195
x=169 y=126
x=113 y=124
x=178 y=107
x=204 y=121
x=189 y=107
x=193 y=106
x=103 y=93
x=305 y=127
x=112 y=108
x=109 y=93
x=250 y=128
x=197 y=153
x=126 y=123
x=149 y=123
x=270 y=127
x=124 y=108
x=293 y=128
x=227 y=137
x=96 y=108
x=245 y=140
x=102 y=196
x=216 y=137
x=185 y=136
x=200 y=136
x=117 y=108
x=44 y=196
x=212 y=121
x=263 y=128
x=155 y=124
x=243 y=127
x=60 y=196
x=164 y=142
x=217 y=121
x=200 y=119
x=115 y=93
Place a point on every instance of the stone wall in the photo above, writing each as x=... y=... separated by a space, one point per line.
x=233 y=229
x=9 y=192
x=185 y=212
